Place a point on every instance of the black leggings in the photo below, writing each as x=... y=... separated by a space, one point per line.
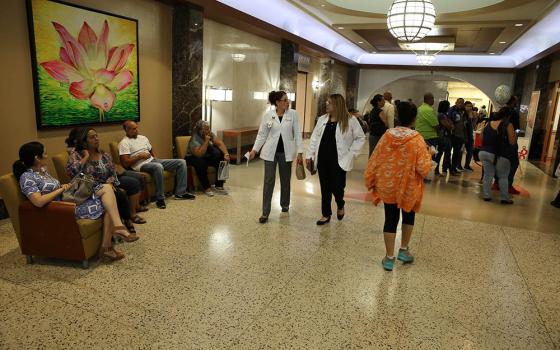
x=392 y=218
x=123 y=204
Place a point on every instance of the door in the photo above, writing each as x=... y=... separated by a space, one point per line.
x=551 y=125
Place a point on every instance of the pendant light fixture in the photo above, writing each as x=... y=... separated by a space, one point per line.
x=411 y=20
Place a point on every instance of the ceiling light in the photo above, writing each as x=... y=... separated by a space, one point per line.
x=411 y=20
x=428 y=46
x=340 y=27
x=492 y=53
x=425 y=60
x=502 y=42
x=238 y=57
x=360 y=42
x=323 y=5
x=519 y=24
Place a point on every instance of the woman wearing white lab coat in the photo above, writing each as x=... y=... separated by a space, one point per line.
x=337 y=138
x=278 y=140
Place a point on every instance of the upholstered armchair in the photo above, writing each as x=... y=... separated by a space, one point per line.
x=51 y=231
x=181 y=144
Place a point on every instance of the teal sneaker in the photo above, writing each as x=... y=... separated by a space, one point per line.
x=405 y=256
x=388 y=263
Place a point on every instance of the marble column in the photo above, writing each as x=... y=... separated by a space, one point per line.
x=187 y=68
x=540 y=127
x=326 y=78
x=288 y=66
x=352 y=84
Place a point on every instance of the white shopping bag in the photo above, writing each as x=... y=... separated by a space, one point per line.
x=223 y=171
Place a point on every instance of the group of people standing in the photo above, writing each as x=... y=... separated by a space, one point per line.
x=394 y=174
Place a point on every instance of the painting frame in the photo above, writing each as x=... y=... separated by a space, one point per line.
x=36 y=66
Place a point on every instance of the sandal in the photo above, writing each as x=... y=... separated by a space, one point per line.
x=131 y=237
x=138 y=220
x=111 y=254
x=130 y=227
x=142 y=209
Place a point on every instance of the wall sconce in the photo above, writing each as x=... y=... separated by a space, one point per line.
x=216 y=94
x=260 y=95
x=316 y=85
x=238 y=57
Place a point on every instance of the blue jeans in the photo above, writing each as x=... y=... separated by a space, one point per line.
x=501 y=169
x=156 y=168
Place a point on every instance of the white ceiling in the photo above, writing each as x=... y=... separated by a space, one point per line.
x=291 y=18
x=442 y=6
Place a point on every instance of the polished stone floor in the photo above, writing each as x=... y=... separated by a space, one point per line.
x=206 y=275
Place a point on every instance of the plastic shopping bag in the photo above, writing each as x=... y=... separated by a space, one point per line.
x=223 y=171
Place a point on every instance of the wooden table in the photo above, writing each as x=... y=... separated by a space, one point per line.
x=238 y=134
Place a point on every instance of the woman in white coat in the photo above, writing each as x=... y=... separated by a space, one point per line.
x=337 y=138
x=280 y=139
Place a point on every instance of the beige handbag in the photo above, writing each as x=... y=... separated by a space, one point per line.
x=300 y=171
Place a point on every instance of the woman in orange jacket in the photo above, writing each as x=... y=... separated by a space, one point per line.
x=395 y=175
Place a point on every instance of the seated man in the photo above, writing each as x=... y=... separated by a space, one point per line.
x=136 y=152
x=204 y=150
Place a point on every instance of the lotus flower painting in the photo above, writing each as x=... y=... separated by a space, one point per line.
x=85 y=65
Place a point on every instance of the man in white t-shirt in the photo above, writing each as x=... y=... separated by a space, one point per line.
x=389 y=109
x=137 y=153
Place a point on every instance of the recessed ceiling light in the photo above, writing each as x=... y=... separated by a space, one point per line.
x=360 y=42
x=492 y=53
x=340 y=27
x=323 y=5
x=502 y=42
x=519 y=24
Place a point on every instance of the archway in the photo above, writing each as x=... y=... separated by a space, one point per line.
x=442 y=87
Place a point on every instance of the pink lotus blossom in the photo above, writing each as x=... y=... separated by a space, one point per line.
x=93 y=71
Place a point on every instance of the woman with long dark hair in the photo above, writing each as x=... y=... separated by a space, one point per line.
x=337 y=138
x=87 y=158
x=377 y=122
x=394 y=175
x=279 y=140
x=41 y=188
x=445 y=129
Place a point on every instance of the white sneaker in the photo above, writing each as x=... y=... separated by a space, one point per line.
x=209 y=193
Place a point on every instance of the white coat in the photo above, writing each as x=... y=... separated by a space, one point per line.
x=348 y=144
x=270 y=131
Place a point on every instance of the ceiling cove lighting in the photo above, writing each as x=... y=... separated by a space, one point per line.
x=411 y=20
x=426 y=59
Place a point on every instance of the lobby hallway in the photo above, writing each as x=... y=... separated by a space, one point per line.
x=206 y=275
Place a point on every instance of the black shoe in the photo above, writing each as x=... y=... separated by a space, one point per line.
x=555 y=204
x=487 y=199
x=460 y=169
x=322 y=222
x=506 y=202
x=454 y=173
x=285 y=210
x=263 y=219
x=161 y=204
x=184 y=196
x=340 y=216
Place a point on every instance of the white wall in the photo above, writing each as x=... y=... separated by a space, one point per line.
x=372 y=80
x=260 y=71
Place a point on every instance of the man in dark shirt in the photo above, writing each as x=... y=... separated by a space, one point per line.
x=457 y=115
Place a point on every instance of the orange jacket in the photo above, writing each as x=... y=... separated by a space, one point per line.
x=396 y=170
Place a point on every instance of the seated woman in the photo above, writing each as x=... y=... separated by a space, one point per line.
x=206 y=149
x=41 y=189
x=126 y=183
x=88 y=159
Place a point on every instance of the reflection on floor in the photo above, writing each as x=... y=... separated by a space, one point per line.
x=206 y=275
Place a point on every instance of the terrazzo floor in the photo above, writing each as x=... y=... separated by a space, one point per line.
x=206 y=275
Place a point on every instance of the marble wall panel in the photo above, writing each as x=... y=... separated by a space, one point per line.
x=188 y=31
